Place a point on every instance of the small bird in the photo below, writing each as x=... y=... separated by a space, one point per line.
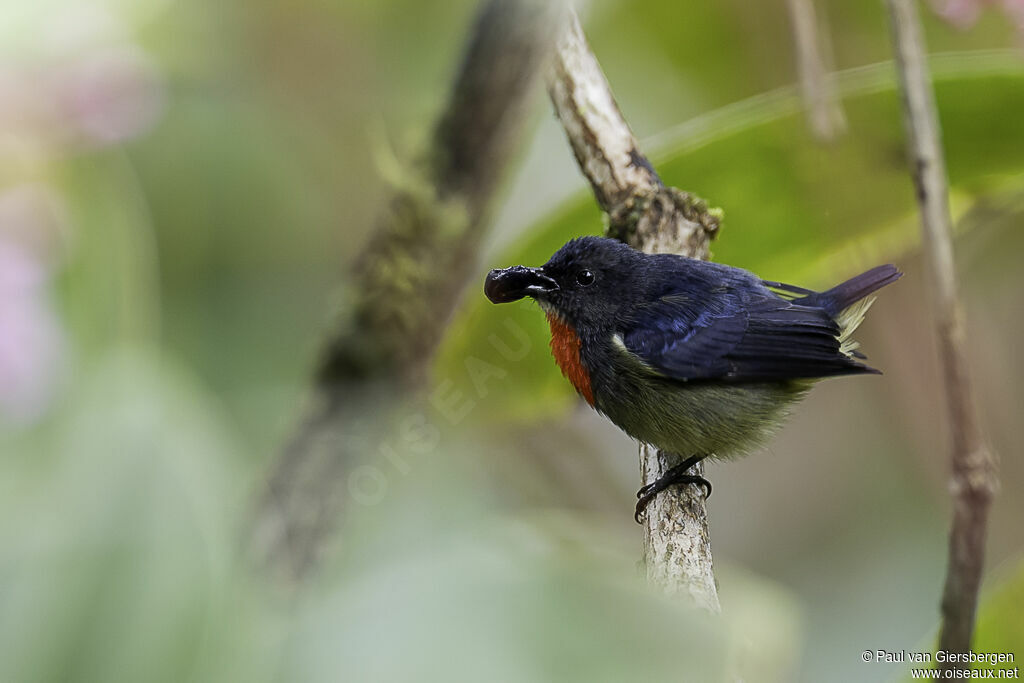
x=695 y=358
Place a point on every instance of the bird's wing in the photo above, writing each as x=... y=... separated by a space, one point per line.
x=737 y=335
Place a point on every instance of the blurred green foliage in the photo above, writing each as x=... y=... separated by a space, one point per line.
x=999 y=627
x=195 y=263
x=131 y=570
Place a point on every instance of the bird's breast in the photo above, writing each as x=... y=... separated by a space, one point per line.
x=565 y=347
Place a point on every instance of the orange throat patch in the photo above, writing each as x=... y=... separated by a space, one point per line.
x=565 y=347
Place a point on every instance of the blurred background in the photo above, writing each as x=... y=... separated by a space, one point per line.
x=183 y=188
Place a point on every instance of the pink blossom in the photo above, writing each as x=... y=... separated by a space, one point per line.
x=90 y=85
x=109 y=95
x=963 y=13
x=31 y=340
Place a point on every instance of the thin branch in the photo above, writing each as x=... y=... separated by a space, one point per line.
x=817 y=84
x=407 y=282
x=649 y=216
x=974 y=479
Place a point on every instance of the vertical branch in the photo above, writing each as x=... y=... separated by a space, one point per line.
x=973 y=465
x=407 y=281
x=649 y=216
x=817 y=85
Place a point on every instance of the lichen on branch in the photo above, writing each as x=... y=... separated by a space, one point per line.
x=649 y=216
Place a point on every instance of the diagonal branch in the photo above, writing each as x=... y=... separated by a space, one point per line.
x=407 y=281
x=974 y=472
x=649 y=216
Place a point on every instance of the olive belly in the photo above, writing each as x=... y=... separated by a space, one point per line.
x=701 y=418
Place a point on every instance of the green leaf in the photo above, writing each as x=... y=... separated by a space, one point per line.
x=999 y=626
x=795 y=210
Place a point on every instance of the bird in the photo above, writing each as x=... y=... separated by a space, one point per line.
x=695 y=358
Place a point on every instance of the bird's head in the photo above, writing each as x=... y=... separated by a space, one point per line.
x=587 y=283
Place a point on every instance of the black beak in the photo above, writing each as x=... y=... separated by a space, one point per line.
x=512 y=284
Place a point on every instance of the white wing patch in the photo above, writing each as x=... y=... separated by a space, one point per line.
x=620 y=344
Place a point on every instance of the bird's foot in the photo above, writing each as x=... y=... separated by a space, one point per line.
x=674 y=476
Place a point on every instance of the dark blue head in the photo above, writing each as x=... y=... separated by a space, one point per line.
x=588 y=283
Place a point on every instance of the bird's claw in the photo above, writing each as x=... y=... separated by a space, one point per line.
x=647 y=493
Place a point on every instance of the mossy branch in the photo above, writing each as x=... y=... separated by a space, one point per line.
x=408 y=280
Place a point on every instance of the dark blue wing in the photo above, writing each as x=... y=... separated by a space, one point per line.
x=737 y=333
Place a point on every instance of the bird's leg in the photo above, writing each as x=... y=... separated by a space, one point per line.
x=675 y=475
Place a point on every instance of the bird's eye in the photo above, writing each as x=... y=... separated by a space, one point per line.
x=585 y=278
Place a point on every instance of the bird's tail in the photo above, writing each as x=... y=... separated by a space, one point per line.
x=847 y=303
x=845 y=295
